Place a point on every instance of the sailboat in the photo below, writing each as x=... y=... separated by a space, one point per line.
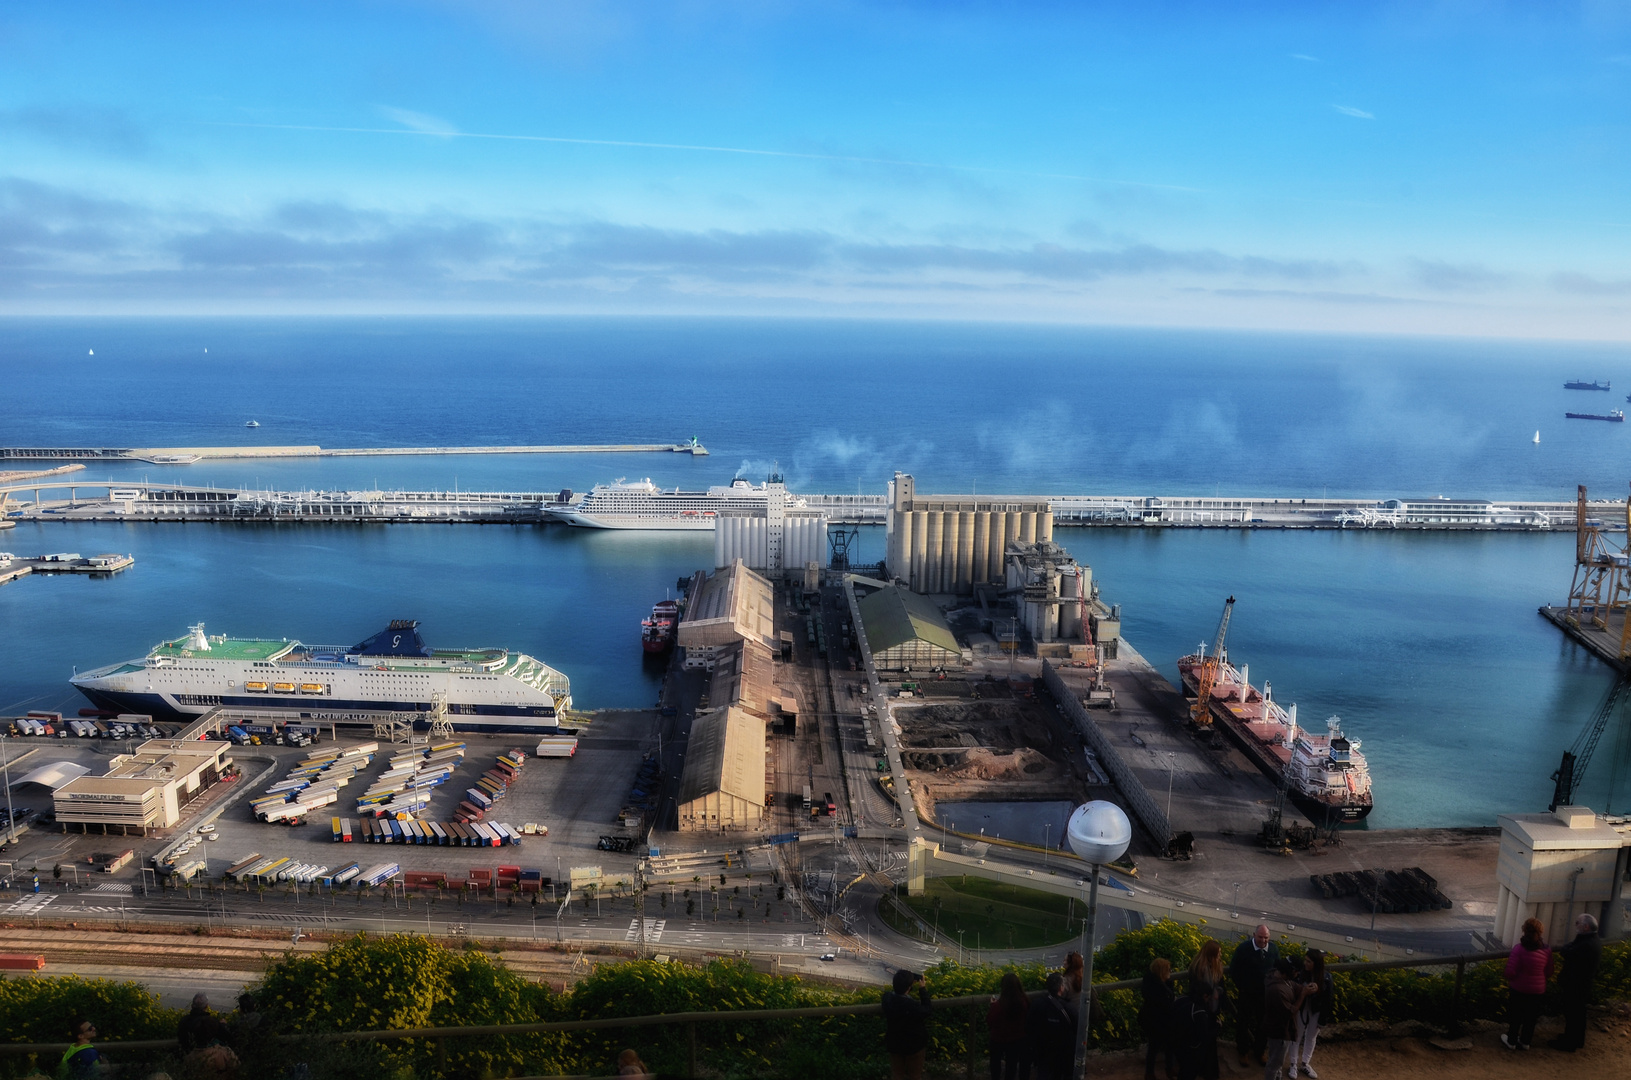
x=1537 y=438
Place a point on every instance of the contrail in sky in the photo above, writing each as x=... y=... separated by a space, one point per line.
x=694 y=148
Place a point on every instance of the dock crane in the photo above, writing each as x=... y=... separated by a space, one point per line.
x=1577 y=757
x=1207 y=676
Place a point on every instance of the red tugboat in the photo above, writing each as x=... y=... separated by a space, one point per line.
x=657 y=632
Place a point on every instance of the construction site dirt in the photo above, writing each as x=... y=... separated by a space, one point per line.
x=999 y=747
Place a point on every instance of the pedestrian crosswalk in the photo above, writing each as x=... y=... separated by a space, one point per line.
x=31 y=905
x=654 y=930
x=116 y=888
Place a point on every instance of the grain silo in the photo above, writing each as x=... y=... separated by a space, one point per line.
x=951 y=543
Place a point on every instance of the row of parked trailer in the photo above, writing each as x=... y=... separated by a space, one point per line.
x=405 y=787
x=491 y=786
x=313 y=783
x=52 y=725
x=269 y=871
x=455 y=833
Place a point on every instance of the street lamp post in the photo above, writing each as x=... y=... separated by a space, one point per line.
x=1047 y=830
x=1099 y=832
x=1172 y=765
x=5 y=767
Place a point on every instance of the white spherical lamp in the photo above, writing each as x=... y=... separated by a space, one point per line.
x=1099 y=832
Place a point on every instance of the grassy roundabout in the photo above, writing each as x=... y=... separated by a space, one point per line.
x=990 y=915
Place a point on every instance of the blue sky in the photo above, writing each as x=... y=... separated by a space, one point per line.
x=1455 y=168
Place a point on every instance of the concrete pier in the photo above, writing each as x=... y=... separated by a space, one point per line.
x=186 y=455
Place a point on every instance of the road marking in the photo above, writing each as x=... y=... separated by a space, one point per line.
x=654 y=930
x=120 y=888
x=30 y=905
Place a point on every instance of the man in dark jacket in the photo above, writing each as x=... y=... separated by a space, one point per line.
x=1580 y=958
x=200 y=1027
x=1253 y=960
x=1051 y=1029
x=906 y=1026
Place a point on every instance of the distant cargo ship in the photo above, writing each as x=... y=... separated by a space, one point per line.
x=1578 y=385
x=484 y=690
x=657 y=632
x=1617 y=416
x=1325 y=775
x=640 y=504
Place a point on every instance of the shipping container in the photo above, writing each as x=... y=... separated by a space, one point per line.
x=241 y=865
x=379 y=873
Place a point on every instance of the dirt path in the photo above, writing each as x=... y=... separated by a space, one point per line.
x=1607 y=1056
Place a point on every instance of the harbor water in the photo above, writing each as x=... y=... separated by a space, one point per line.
x=1427 y=645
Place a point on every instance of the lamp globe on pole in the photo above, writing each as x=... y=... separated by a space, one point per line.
x=1099 y=832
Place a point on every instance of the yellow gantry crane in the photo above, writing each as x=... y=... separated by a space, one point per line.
x=1206 y=677
x=1602 y=576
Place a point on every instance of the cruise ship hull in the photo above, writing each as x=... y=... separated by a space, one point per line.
x=700 y=523
x=391 y=676
x=489 y=720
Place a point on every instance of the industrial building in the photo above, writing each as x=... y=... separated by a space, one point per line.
x=951 y=543
x=731 y=605
x=905 y=631
x=145 y=790
x=1558 y=866
x=1054 y=594
x=779 y=541
x=723 y=785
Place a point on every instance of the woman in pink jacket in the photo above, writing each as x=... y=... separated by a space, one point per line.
x=1527 y=968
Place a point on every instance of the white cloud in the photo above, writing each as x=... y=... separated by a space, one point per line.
x=1306 y=58
x=1349 y=110
x=417 y=121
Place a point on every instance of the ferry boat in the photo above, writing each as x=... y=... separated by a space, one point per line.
x=640 y=504
x=1325 y=774
x=1614 y=416
x=657 y=632
x=484 y=690
x=1580 y=385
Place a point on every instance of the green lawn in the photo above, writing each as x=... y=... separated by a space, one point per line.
x=991 y=915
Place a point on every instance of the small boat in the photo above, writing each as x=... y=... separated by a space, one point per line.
x=255 y=687
x=283 y=687
x=1537 y=438
x=311 y=688
x=1578 y=384
x=1615 y=417
x=252 y=423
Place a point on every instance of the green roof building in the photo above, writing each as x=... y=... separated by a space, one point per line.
x=906 y=630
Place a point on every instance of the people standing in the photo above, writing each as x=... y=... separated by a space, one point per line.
x=199 y=1028
x=1580 y=959
x=1316 y=1008
x=1006 y=1021
x=1073 y=979
x=906 y=1025
x=1050 y=1029
x=1527 y=968
x=1282 y=997
x=1155 y=1015
x=1206 y=990
x=81 y=1061
x=1249 y=968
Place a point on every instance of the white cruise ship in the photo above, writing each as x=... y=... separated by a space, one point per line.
x=484 y=690
x=640 y=504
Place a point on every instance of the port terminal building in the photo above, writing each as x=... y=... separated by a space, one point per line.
x=948 y=544
x=143 y=791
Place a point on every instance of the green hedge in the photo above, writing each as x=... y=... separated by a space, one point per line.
x=407 y=981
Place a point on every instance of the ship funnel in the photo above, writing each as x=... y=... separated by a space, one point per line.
x=196 y=641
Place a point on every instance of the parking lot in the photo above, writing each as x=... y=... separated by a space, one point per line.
x=577 y=799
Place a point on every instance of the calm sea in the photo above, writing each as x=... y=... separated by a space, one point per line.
x=1428 y=646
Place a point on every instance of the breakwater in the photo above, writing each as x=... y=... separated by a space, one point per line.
x=144 y=500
